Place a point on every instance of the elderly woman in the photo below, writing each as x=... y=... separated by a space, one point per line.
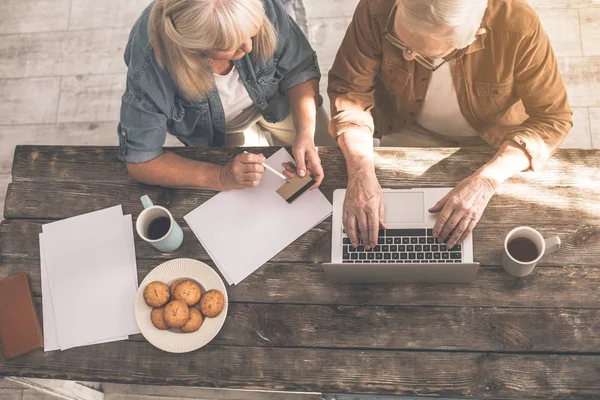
x=215 y=73
x=469 y=72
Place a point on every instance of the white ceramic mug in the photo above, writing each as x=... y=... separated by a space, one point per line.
x=170 y=240
x=544 y=246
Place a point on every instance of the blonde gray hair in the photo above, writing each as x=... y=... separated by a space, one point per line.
x=182 y=30
x=463 y=17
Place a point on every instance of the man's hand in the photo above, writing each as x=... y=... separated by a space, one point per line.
x=363 y=208
x=244 y=171
x=461 y=209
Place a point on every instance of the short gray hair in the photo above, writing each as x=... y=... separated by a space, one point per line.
x=462 y=16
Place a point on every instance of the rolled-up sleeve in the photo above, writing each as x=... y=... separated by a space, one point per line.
x=298 y=61
x=142 y=131
x=352 y=78
x=539 y=84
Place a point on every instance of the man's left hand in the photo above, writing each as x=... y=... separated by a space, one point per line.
x=461 y=209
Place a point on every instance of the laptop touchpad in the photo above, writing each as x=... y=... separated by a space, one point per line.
x=404 y=207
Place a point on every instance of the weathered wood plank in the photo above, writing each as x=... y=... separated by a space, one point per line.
x=21 y=16
x=85 y=98
x=16 y=100
x=90 y=14
x=595 y=126
x=529 y=205
x=562 y=26
x=291 y=283
x=310 y=247
x=582 y=79
x=409 y=328
x=63 y=53
x=488 y=375
x=580 y=244
x=580 y=136
x=541 y=4
x=415 y=166
x=326 y=35
x=590 y=31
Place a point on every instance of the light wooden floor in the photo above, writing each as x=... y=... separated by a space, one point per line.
x=62 y=70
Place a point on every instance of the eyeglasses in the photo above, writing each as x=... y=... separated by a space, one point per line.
x=402 y=46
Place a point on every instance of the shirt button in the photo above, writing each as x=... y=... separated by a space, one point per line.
x=424 y=79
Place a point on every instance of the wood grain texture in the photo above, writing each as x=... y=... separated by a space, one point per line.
x=595 y=125
x=91 y=98
x=580 y=243
x=326 y=35
x=582 y=79
x=590 y=31
x=487 y=375
x=90 y=14
x=22 y=16
x=556 y=206
x=17 y=100
x=409 y=328
x=562 y=26
x=541 y=4
x=580 y=136
x=63 y=53
x=293 y=283
x=416 y=166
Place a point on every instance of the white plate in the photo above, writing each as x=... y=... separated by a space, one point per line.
x=175 y=341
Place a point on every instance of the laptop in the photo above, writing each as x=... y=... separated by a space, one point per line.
x=406 y=251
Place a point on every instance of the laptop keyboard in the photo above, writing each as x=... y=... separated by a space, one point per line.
x=402 y=246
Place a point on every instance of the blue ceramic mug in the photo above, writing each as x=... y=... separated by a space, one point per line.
x=156 y=225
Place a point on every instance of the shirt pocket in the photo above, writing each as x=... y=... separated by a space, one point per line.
x=394 y=78
x=493 y=98
x=186 y=116
x=268 y=80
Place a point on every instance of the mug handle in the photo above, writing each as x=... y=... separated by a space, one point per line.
x=146 y=202
x=552 y=244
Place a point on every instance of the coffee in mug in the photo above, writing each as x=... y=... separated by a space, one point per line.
x=524 y=247
x=158 y=228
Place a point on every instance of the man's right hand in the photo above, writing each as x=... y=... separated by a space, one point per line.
x=363 y=208
x=244 y=171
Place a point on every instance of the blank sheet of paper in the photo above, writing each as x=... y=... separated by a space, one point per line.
x=243 y=229
x=88 y=260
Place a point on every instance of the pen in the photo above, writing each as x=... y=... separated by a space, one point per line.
x=273 y=170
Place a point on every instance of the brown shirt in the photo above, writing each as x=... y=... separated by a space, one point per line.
x=507 y=82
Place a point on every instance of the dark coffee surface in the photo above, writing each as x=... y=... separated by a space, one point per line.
x=158 y=228
x=523 y=249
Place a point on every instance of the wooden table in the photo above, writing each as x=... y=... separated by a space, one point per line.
x=289 y=328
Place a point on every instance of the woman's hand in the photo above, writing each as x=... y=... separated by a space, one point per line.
x=462 y=208
x=244 y=171
x=307 y=157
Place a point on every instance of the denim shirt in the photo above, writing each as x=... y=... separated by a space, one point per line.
x=152 y=105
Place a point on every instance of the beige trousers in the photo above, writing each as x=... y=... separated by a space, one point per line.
x=417 y=136
x=263 y=133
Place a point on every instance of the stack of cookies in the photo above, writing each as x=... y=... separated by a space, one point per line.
x=176 y=306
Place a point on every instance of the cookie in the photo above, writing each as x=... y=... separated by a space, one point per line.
x=174 y=285
x=212 y=303
x=156 y=294
x=194 y=321
x=176 y=314
x=188 y=291
x=157 y=318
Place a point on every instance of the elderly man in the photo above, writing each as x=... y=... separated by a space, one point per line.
x=469 y=72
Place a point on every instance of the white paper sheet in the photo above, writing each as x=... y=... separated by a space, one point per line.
x=243 y=229
x=88 y=263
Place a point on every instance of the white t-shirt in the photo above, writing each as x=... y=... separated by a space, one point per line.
x=233 y=94
x=440 y=112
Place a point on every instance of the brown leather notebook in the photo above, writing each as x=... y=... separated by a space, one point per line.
x=20 y=330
